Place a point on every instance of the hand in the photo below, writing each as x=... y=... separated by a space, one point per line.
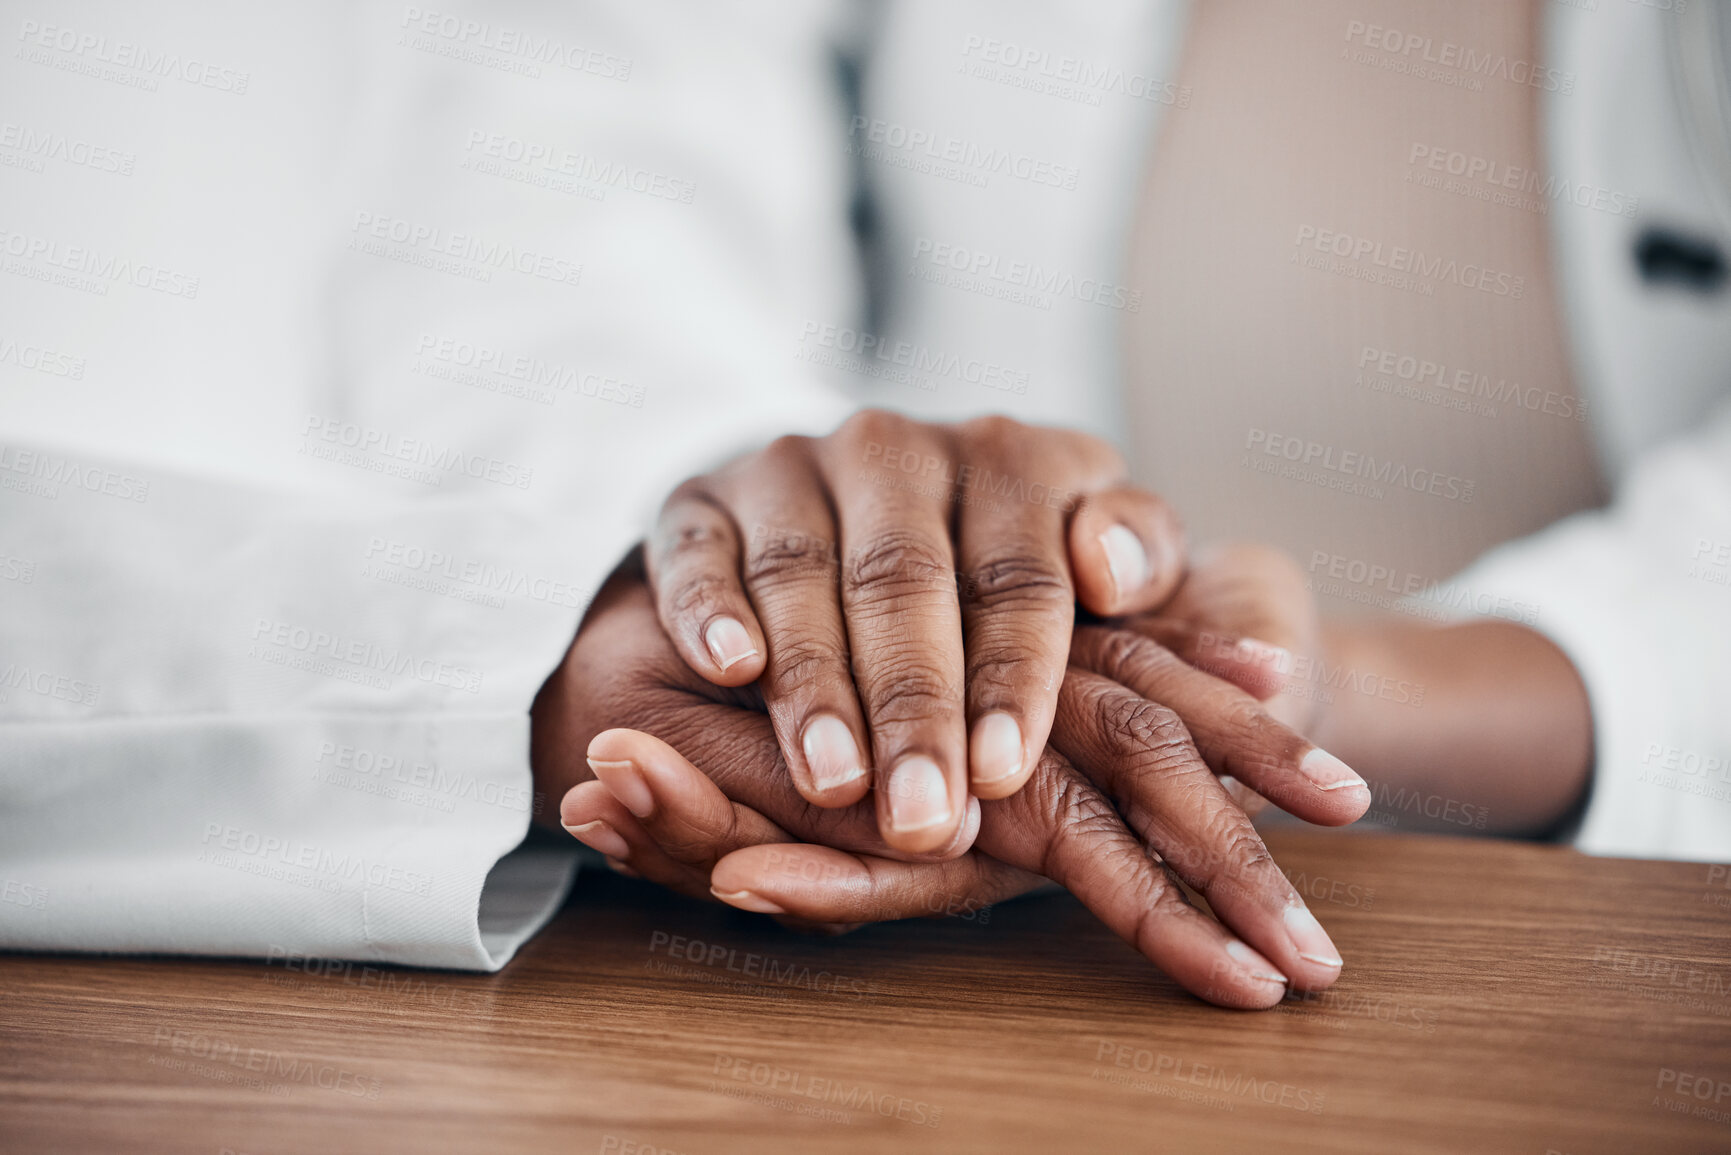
x=1485 y=714
x=828 y=568
x=1244 y=613
x=654 y=812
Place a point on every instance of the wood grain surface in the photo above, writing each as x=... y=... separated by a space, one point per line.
x=1497 y=997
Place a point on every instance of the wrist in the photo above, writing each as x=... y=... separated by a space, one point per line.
x=1484 y=712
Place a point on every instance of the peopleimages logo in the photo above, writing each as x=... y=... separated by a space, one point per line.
x=1067 y=77
x=950 y=476
x=425 y=244
x=340 y=865
x=156 y=65
x=44 y=474
x=266 y=1064
x=516 y=374
x=973 y=163
x=979 y=268
x=101 y=267
x=48 y=684
x=324 y=437
x=787 y=1086
x=482 y=575
x=1470 y=383
x=555 y=160
x=40 y=145
x=393 y=775
x=276 y=639
x=1498 y=178
x=863 y=348
x=1400 y=260
x=1230 y=1086
x=524 y=47
x=41 y=359
x=1416 y=48
x=1328 y=459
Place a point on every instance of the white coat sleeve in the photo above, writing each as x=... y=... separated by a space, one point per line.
x=1639 y=597
x=335 y=373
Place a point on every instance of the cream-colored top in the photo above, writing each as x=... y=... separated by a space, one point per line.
x=1349 y=344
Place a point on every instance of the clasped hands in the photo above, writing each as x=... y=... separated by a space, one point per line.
x=984 y=629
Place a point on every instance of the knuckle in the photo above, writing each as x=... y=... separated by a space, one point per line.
x=958 y=890
x=738 y=759
x=623 y=670
x=787 y=450
x=786 y=454
x=1018 y=580
x=1236 y=856
x=796 y=666
x=843 y=829
x=1006 y=671
x=699 y=594
x=690 y=525
x=779 y=556
x=1075 y=812
x=1093 y=461
x=899 y=562
x=1128 y=656
x=1136 y=725
x=693 y=491
x=908 y=692
x=838 y=828
x=690 y=846
x=874 y=425
x=1243 y=717
x=1161 y=901
x=1101 y=454
x=994 y=431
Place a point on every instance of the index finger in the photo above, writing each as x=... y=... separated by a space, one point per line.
x=1140 y=754
x=1235 y=733
x=1063 y=826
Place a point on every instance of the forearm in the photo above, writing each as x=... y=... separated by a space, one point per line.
x=1492 y=716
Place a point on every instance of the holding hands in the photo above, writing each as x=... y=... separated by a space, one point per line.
x=930 y=628
x=902 y=594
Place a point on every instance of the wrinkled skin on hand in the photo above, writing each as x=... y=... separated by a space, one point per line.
x=1124 y=801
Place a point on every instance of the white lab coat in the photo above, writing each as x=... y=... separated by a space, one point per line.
x=379 y=337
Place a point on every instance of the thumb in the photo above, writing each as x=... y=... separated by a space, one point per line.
x=1127 y=552
x=1242 y=614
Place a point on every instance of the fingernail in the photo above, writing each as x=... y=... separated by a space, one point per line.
x=996 y=750
x=1307 y=935
x=1329 y=772
x=1126 y=558
x=746 y=900
x=831 y=752
x=728 y=642
x=1260 y=968
x=919 y=796
x=625 y=782
x=598 y=835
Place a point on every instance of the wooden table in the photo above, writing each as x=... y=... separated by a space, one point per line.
x=1497 y=997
